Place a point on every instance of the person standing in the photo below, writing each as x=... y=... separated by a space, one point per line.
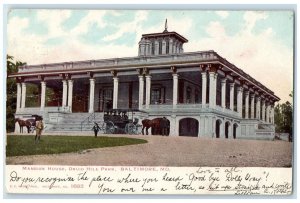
x=38 y=128
x=164 y=126
x=96 y=129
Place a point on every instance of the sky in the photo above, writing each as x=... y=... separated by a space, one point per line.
x=258 y=42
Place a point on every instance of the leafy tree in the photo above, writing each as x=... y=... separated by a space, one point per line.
x=284 y=117
x=11 y=92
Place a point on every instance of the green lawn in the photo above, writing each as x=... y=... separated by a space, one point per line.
x=18 y=145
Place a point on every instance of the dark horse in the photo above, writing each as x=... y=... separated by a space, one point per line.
x=155 y=125
x=25 y=123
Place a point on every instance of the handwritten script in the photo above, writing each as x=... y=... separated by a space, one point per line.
x=148 y=180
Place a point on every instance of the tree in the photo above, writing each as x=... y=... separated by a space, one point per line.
x=11 y=92
x=284 y=117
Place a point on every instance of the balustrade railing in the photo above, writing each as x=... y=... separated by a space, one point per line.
x=88 y=120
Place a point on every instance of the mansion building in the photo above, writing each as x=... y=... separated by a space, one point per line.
x=200 y=93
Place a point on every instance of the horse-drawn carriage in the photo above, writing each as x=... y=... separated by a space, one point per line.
x=117 y=121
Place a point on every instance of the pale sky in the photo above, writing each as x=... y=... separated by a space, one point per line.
x=258 y=42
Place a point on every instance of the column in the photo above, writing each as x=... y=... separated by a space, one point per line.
x=175 y=89
x=116 y=92
x=263 y=111
x=43 y=94
x=230 y=131
x=232 y=96
x=202 y=126
x=19 y=89
x=272 y=115
x=70 y=96
x=258 y=108
x=65 y=93
x=247 y=105
x=23 y=95
x=141 y=91
x=252 y=105
x=222 y=129
x=212 y=90
x=92 y=95
x=204 y=84
x=240 y=101
x=223 y=93
x=148 y=90
x=268 y=113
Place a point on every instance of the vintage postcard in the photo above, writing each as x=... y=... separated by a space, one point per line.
x=149 y=101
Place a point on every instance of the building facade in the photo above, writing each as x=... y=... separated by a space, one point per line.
x=200 y=93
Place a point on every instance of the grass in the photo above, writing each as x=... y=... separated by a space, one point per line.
x=18 y=145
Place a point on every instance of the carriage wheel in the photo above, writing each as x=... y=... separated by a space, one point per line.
x=102 y=126
x=110 y=128
x=129 y=128
x=138 y=129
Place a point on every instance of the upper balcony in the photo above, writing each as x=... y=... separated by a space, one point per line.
x=189 y=109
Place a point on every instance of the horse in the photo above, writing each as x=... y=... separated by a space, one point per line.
x=25 y=123
x=155 y=125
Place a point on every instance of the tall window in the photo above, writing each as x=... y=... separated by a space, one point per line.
x=160 y=47
x=152 y=48
x=167 y=47
x=156 y=96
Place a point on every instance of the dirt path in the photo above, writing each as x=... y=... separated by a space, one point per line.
x=175 y=151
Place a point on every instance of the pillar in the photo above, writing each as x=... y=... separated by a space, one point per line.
x=258 y=108
x=263 y=111
x=23 y=100
x=232 y=96
x=252 y=105
x=247 y=105
x=43 y=94
x=92 y=95
x=230 y=131
x=202 y=126
x=65 y=92
x=141 y=91
x=204 y=84
x=223 y=93
x=175 y=89
x=116 y=92
x=19 y=94
x=148 y=90
x=70 y=96
x=268 y=113
x=174 y=128
x=240 y=101
x=212 y=89
x=222 y=129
